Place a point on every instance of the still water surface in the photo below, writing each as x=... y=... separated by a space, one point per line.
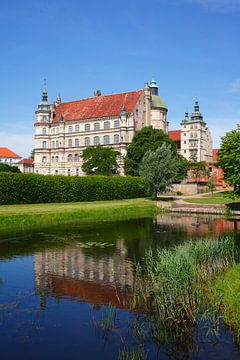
x=56 y=284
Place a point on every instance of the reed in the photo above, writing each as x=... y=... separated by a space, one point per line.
x=172 y=284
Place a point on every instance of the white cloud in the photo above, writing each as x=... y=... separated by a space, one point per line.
x=234 y=86
x=218 y=5
x=22 y=144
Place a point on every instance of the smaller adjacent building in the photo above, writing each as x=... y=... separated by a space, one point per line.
x=8 y=157
x=194 y=139
x=25 y=165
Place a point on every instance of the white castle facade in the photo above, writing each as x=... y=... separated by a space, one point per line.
x=64 y=130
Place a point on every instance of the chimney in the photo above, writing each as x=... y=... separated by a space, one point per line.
x=97 y=93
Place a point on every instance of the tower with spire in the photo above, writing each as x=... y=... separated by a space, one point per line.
x=196 y=141
x=42 y=133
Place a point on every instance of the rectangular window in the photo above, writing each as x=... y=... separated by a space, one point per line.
x=106 y=139
x=96 y=126
x=116 y=139
x=96 y=140
x=77 y=128
x=44 y=144
x=53 y=144
x=76 y=142
x=57 y=144
x=87 y=127
x=87 y=141
x=69 y=142
x=116 y=124
x=106 y=125
x=70 y=129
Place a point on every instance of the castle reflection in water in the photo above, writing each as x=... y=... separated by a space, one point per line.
x=108 y=277
x=70 y=272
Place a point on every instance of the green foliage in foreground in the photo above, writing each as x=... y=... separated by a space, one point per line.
x=8 y=168
x=33 y=188
x=100 y=160
x=159 y=168
x=176 y=280
x=227 y=297
x=229 y=157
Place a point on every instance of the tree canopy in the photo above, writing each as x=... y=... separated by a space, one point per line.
x=229 y=157
x=99 y=160
x=144 y=140
x=159 y=168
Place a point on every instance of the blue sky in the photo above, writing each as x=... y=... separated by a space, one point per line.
x=191 y=47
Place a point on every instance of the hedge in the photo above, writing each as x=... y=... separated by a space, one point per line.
x=33 y=188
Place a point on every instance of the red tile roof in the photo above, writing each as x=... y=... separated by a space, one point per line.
x=97 y=107
x=6 y=153
x=25 y=162
x=175 y=135
x=214 y=154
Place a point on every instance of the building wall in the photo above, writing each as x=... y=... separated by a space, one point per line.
x=59 y=146
x=196 y=140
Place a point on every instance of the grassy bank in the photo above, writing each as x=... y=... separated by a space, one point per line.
x=24 y=217
x=227 y=297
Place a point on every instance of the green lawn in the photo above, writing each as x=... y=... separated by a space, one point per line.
x=227 y=297
x=38 y=215
x=216 y=198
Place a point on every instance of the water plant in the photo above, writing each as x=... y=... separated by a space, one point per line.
x=173 y=284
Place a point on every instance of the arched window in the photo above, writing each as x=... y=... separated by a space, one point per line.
x=70 y=157
x=56 y=172
x=106 y=139
x=52 y=158
x=106 y=124
x=56 y=159
x=116 y=139
x=69 y=172
x=97 y=126
x=87 y=141
x=77 y=172
x=44 y=159
x=96 y=140
x=44 y=131
x=116 y=124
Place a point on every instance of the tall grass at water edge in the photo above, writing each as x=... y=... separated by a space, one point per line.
x=174 y=283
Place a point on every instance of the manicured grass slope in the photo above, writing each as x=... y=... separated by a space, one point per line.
x=30 y=216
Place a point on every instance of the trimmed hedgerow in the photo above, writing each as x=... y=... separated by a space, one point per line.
x=34 y=188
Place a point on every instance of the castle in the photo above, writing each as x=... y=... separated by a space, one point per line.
x=64 y=130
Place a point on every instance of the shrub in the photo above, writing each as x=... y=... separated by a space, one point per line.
x=34 y=188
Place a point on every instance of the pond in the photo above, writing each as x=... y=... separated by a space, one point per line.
x=56 y=286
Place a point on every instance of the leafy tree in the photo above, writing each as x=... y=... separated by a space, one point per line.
x=159 y=168
x=32 y=154
x=8 y=168
x=144 y=140
x=211 y=186
x=99 y=160
x=229 y=157
x=183 y=168
x=199 y=168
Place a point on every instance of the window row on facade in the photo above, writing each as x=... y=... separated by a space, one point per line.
x=87 y=127
x=87 y=141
